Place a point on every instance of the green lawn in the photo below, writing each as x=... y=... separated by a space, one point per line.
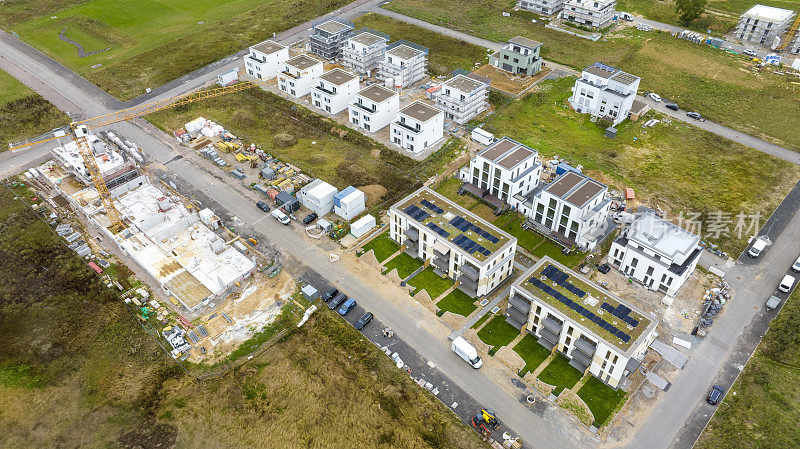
x=601 y=399
x=548 y=248
x=434 y=284
x=404 y=263
x=531 y=352
x=457 y=302
x=448 y=189
x=498 y=333
x=24 y=113
x=155 y=41
x=446 y=53
x=512 y=223
x=382 y=246
x=697 y=77
x=560 y=374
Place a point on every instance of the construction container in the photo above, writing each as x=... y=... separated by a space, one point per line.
x=195 y=125
x=272 y=194
x=318 y=196
x=287 y=202
x=229 y=77
x=481 y=136
x=263 y=190
x=362 y=226
x=349 y=203
x=236 y=173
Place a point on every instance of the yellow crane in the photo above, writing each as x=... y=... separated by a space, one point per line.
x=80 y=131
x=787 y=38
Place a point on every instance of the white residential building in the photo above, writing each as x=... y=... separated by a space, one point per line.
x=599 y=332
x=543 y=7
x=299 y=75
x=462 y=98
x=374 y=108
x=572 y=209
x=266 y=59
x=657 y=253
x=590 y=13
x=364 y=51
x=417 y=127
x=334 y=91
x=505 y=169
x=605 y=92
x=404 y=62
x=328 y=37
x=460 y=245
x=116 y=167
x=763 y=25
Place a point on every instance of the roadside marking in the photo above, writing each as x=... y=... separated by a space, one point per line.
x=259 y=220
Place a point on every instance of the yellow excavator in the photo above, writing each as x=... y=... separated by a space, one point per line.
x=485 y=422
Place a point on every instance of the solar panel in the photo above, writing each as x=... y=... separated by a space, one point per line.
x=436 y=209
x=625 y=337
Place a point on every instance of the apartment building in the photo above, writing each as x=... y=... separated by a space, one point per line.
x=520 y=56
x=299 y=75
x=328 y=37
x=605 y=92
x=572 y=209
x=599 y=332
x=589 y=13
x=334 y=91
x=115 y=166
x=462 y=97
x=543 y=7
x=658 y=254
x=266 y=59
x=364 y=51
x=794 y=46
x=404 y=62
x=374 y=108
x=417 y=127
x=763 y=25
x=505 y=169
x=455 y=242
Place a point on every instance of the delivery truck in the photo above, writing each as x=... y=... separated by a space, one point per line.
x=467 y=352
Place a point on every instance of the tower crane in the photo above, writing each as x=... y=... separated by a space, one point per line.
x=80 y=131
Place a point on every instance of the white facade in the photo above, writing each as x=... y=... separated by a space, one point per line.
x=334 y=91
x=404 y=63
x=590 y=13
x=605 y=92
x=794 y=47
x=462 y=98
x=266 y=59
x=417 y=127
x=299 y=75
x=763 y=25
x=364 y=51
x=656 y=253
x=506 y=169
x=317 y=196
x=543 y=7
x=476 y=273
x=574 y=206
x=374 y=108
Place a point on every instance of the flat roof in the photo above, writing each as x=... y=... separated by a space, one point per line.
x=420 y=111
x=464 y=83
x=268 y=47
x=367 y=38
x=507 y=153
x=600 y=312
x=462 y=228
x=661 y=235
x=769 y=13
x=524 y=42
x=333 y=27
x=337 y=76
x=404 y=52
x=575 y=188
x=624 y=78
x=585 y=192
x=601 y=70
x=377 y=93
x=303 y=62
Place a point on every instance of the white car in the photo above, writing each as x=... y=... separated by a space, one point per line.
x=655 y=96
x=786 y=284
x=796 y=265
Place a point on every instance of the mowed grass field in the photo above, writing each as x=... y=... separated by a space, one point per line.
x=23 y=112
x=697 y=77
x=152 y=42
x=77 y=370
x=675 y=165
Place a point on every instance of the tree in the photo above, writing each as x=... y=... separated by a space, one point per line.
x=689 y=10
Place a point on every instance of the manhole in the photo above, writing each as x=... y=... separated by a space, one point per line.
x=530 y=399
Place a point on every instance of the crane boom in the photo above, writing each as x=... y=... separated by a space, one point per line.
x=80 y=131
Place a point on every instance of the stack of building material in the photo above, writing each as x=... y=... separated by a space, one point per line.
x=349 y=203
x=318 y=196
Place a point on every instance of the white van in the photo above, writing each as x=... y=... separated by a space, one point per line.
x=281 y=217
x=758 y=247
x=467 y=352
x=786 y=283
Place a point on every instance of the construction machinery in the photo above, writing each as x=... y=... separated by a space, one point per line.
x=787 y=38
x=485 y=421
x=80 y=131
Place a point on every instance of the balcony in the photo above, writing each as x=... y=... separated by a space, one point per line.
x=291 y=75
x=470 y=272
x=371 y=110
x=442 y=262
x=517 y=314
x=552 y=324
x=519 y=303
x=415 y=130
x=548 y=335
x=586 y=347
x=412 y=233
x=256 y=60
x=470 y=289
x=510 y=319
x=324 y=90
x=578 y=365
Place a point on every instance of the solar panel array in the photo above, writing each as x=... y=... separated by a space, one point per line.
x=562 y=279
x=438 y=230
x=436 y=209
x=591 y=316
x=470 y=246
x=621 y=312
x=463 y=225
x=416 y=213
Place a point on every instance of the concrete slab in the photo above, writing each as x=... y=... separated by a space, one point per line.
x=670 y=354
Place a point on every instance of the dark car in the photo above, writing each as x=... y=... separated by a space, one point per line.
x=671 y=105
x=310 y=218
x=263 y=206
x=327 y=296
x=364 y=320
x=604 y=268
x=338 y=299
x=695 y=115
x=347 y=306
x=715 y=395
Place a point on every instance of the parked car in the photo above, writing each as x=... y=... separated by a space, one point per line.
x=758 y=247
x=786 y=283
x=604 y=268
x=281 y=217
x=263 y=206
x=655 y=96
x=695 y=115
x=364 y=320
x=796 y=265
x=338 y=299
x=310 y=218
x=330 y=294
x=670 y=105
x=347 y=306
x=750 y=52
x=715 y=395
